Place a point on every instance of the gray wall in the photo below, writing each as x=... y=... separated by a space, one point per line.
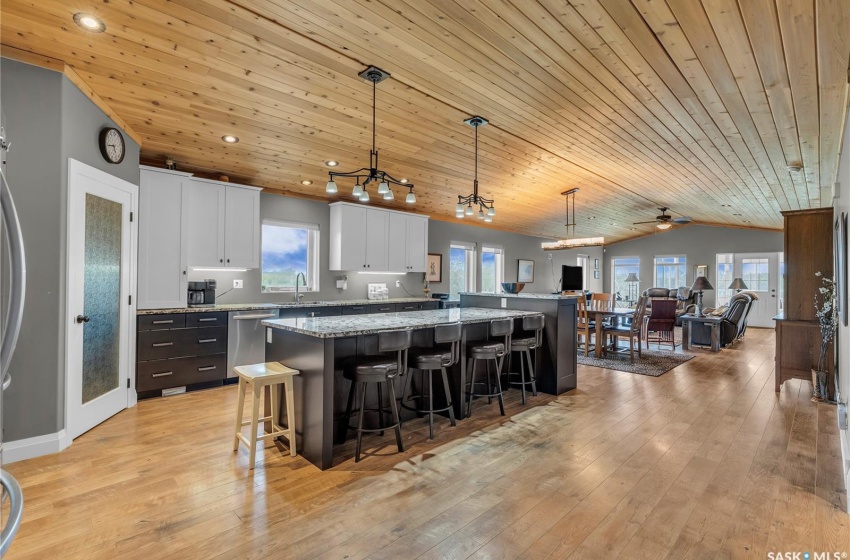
x=440 y=235
x=699 y=243
x=842 y=204
x=48 y=121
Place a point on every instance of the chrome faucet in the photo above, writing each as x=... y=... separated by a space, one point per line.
x=303 y=277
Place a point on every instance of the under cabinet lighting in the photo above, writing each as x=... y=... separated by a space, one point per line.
x=382 y=273
x=218 y=269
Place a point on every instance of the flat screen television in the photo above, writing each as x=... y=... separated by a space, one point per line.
x=571 y=278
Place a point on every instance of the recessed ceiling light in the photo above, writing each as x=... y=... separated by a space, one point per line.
x=795 y=166
x=230 y=139
x=331 y=163
x=306 y=182
x=89 y=22
x=403 y=181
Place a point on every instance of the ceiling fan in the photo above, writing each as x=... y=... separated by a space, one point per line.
x=665 y=220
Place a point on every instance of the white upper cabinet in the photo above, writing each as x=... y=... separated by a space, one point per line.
x=224 y=224
x=377 y=240
x=163 y=238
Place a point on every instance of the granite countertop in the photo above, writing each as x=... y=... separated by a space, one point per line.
x=281 y=305
x=354 y=325
x=519 y=295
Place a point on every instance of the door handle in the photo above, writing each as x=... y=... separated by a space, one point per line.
x=207 y=368
x=163 y=374
x=161 y=344
x=83 y=319
x=207 y=340
x=168 y=322
x=208 y=320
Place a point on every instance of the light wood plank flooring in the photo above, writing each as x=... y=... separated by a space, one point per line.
x=705 y=461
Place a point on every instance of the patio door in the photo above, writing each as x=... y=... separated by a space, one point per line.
x=760 y=272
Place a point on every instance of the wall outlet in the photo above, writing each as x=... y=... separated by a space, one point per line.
x=398 y=283
x=237 y=283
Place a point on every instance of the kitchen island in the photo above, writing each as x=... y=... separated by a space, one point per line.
x=557 y=365
x=317 y=346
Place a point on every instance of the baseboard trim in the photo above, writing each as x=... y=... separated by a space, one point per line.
x=30 y=448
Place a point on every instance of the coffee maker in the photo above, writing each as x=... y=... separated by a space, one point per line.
x=202 y=294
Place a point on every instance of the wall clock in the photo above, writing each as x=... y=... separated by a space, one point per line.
x=111 y=145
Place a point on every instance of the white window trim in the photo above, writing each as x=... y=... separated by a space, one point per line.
x=655 y=264
x=500 y=274
x=471 y=265
x=584 y=262
x=614 y=271
x=313 y=257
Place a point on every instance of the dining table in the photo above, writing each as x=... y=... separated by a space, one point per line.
x=599 y=313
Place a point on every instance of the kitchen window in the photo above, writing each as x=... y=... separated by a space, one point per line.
x=671 y=272
x=287 y=249
x=492 y=269
x=461 y=268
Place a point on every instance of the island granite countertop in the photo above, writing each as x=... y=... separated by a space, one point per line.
x=355 y=325
x=281 y=305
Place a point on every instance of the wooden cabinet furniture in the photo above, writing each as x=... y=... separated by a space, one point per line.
x=224 y=225
x=180 y=349
x=377 y=240
x=163 y=238
x=808 y=249
x=713 y=322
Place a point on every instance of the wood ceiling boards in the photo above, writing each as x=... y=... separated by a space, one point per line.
x=682 y=103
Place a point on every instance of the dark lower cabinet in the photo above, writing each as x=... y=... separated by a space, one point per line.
x=180 y=350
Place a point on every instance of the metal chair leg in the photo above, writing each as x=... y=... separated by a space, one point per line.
x=532 y=374
x=380 y=408
x=360 y=423
x=522 y=375
x=473 y=364
x=448 y=396
x=394 y=409
x=501 y=397
x=430 y=404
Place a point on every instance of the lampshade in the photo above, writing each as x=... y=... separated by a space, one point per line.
x=632 y=277
x=701 y=283
x=738 y=284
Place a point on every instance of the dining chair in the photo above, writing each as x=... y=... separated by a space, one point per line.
x=662 y=323
x=632 y=331
x=584 y=326
x=602 y=301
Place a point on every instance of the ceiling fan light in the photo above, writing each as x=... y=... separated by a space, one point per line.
x=468 y=211
x=410 y=198
x=331 y=187
x=664 y=225
x=383 y=187
x=358 y=191
x=364 y=197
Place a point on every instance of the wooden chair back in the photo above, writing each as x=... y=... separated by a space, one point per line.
x=640 y=312
x=602 y=301
x=582 y=312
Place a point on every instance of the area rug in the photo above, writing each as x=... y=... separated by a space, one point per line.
x=652 y=363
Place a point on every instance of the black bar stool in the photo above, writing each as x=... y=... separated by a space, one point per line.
x=489 y=350
x=380 y=370
x=525 y=342
x=445 y=353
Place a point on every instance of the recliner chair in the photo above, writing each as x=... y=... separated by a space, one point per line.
x=733 y=322
x=684 y=296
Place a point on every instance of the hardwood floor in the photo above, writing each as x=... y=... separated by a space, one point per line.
x=705 y=461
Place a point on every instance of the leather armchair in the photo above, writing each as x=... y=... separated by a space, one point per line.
x=685 y=300
x=732 y=325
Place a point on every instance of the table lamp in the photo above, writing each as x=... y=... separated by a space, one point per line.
x=700 y=284
x=631 y=280
x=738 y=285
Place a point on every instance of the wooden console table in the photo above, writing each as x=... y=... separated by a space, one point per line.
x=797 y=349
x=713 y=322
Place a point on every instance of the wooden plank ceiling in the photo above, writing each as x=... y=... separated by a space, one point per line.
x=696 y=105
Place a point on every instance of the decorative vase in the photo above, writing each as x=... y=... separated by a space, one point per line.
x=819 y=385
x=824 y=394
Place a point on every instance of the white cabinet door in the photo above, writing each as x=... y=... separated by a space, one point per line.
x=397 y=243
x=163 y=239
x=242 y=227
x=377 y=224
x=417 y=244
x=206 y=224
x=347 y=237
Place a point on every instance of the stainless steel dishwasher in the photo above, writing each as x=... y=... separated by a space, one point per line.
x=246 y=337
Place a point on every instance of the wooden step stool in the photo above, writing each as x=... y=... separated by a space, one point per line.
x=272 y=375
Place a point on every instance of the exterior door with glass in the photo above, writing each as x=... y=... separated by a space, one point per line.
x=99 y=340
x=760 y=272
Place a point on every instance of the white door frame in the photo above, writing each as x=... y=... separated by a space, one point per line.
x=74 y=240
x=773 y=271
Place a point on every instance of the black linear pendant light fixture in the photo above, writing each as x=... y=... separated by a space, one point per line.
x=366 y=175
x=466 y=204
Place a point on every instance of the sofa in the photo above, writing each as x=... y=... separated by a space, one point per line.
x=685 y=300
x=733 y=322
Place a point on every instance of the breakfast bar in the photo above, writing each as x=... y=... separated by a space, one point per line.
x=316 y=346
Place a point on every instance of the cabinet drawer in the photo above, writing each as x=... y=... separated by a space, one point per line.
x=429 y=305
x=214 y=319
x=159 y=322
x=382 y=308
x=407 y=307
x=177 y=372
x=356 y=309
x=324 y=312
x=177 y=343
